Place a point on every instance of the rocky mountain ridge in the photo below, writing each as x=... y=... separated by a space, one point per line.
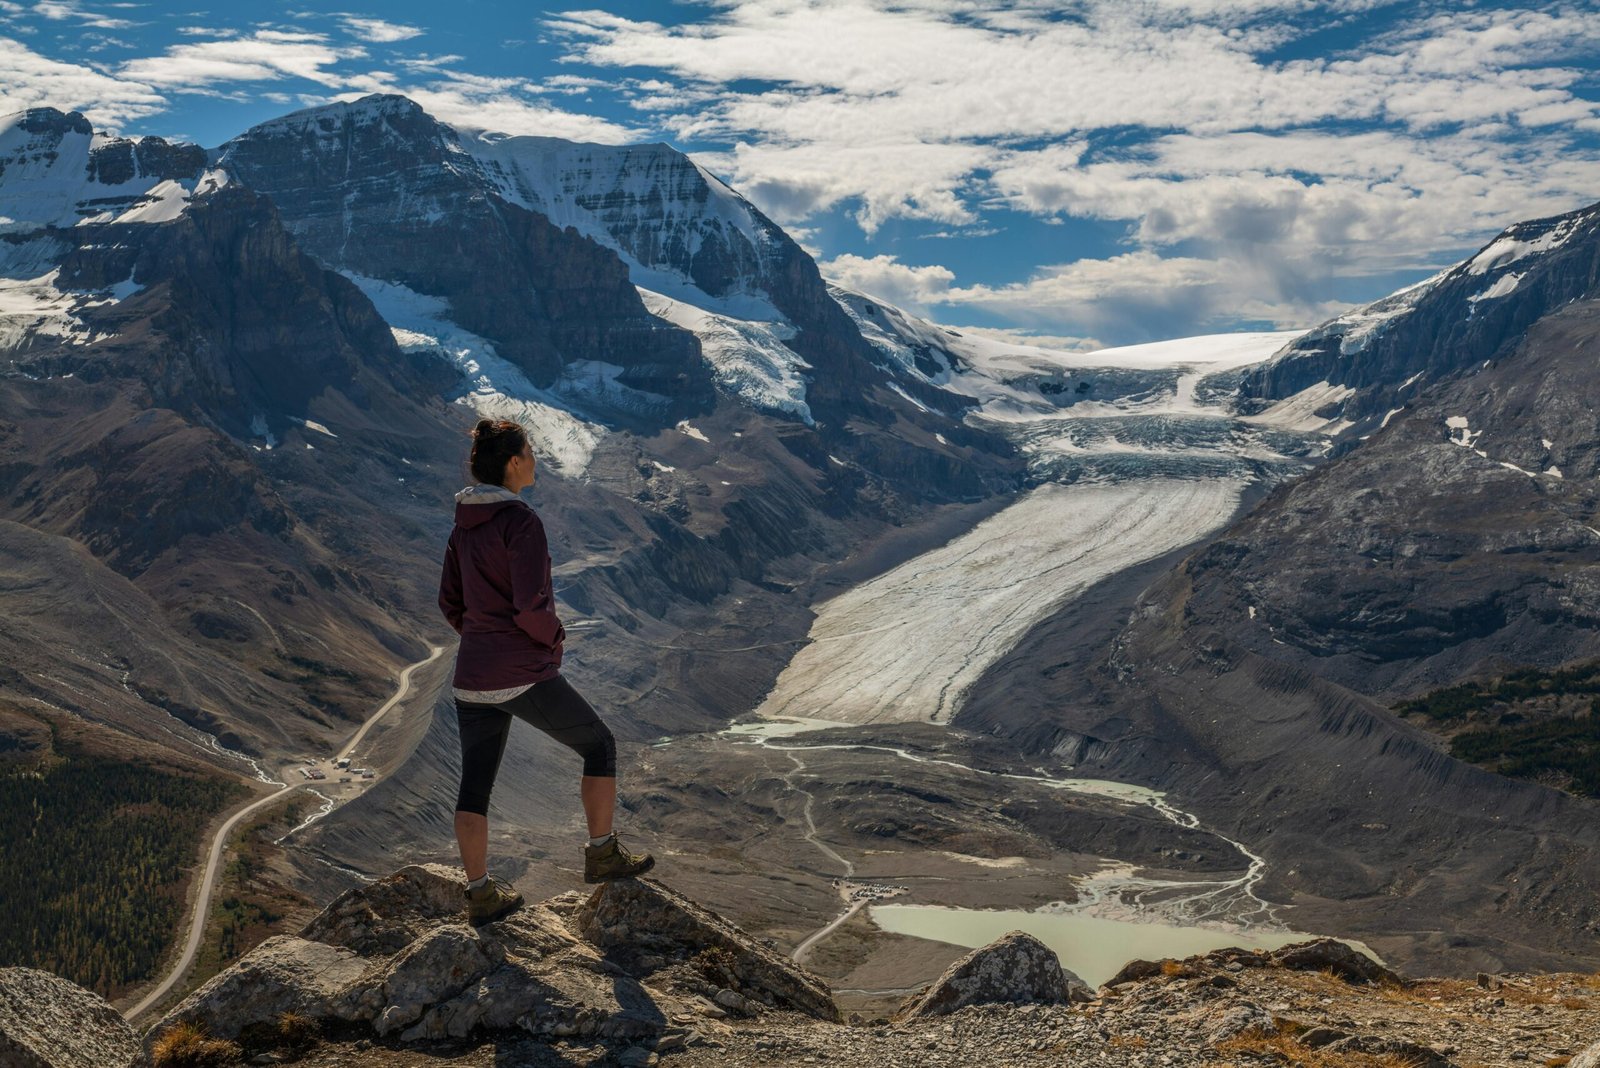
x=1377 y=359
x=635 y=974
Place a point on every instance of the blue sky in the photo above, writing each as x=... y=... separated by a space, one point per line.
x=1096 y=171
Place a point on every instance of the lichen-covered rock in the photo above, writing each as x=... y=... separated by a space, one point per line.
x=394 y=955
x=636 y=919
x=387 y=915
x=282 y=974
x=1014 y=969
x=48 y=1022
x=1237 y=1018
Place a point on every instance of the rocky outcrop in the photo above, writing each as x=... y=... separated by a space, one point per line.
x=643 y=925
x=1327 y=955
x=48 y=1022
x=394 y=956
x=1015 y=969
x=1589 y=1058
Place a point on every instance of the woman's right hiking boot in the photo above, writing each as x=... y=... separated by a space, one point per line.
x=602 y=863
x=492 y=901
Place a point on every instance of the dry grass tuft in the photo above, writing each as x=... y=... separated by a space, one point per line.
x=187 y=1045
x=297 y=1033
x=1286 y=1050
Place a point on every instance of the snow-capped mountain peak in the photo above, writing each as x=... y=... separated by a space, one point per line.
x=57 y=172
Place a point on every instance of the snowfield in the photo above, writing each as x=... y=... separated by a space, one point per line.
x=748 y=357
x=908 y=645
x=496 y=389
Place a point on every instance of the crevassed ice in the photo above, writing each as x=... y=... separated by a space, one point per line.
x=495 y=389
x=908 y=645
x=1298 y=413
x=748 y=357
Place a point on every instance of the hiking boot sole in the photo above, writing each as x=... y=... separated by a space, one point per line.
x=631 y=875
x=497 y=916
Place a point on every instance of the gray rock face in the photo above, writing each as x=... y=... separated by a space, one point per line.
x=381 y=189
x=394 y=955
x=48 y=1022
x=1589 y=1058
x=634 y=919
x=386 y=916
x=282 y=974
x=1476 y=311
x=1014 y=969
x=651 y=202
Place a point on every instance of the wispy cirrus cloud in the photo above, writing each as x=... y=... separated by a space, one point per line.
x=499 y=105
x=28 y=79
x=262 y=56
x=61 y=10
x=377 y=31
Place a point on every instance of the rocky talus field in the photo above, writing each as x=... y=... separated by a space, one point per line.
x=634 y=974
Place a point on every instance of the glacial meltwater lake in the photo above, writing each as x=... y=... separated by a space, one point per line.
x=1091 y=947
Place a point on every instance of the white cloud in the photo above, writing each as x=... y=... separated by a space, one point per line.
x=915 y=180
x=28 y=79
x=502 y=105
x=58 y=10
x=377 y=31
x=886 y=278
x=266 y=55
x=1284 y=175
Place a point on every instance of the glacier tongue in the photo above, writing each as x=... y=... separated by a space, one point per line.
x=907 y=645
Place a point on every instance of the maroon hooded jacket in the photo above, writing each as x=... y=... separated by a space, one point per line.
x=496 y=593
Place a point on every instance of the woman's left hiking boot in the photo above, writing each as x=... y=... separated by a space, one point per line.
x=603 y=863
x=492 y=901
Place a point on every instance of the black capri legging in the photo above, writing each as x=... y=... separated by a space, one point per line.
x=555 y=708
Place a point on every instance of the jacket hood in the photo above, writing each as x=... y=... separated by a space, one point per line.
x=478 y=503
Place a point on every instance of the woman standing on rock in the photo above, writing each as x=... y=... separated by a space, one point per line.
x=496 y=593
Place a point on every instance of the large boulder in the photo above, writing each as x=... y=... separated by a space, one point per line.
x=387 y=915
x=1331 y=955
x=1589 y=1058
x=634 y=921
x=1014 y=969
x=1319 y=955
x=48 y=1022
x=282 y=974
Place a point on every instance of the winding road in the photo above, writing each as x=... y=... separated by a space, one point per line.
x=208 y=881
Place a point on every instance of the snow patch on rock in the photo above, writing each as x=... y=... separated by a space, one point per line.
x=748 y=357
x=496 y=388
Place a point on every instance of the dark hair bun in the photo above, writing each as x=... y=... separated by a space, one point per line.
x=494 y=442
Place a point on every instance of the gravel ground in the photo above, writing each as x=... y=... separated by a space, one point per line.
x=1179 y=1018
